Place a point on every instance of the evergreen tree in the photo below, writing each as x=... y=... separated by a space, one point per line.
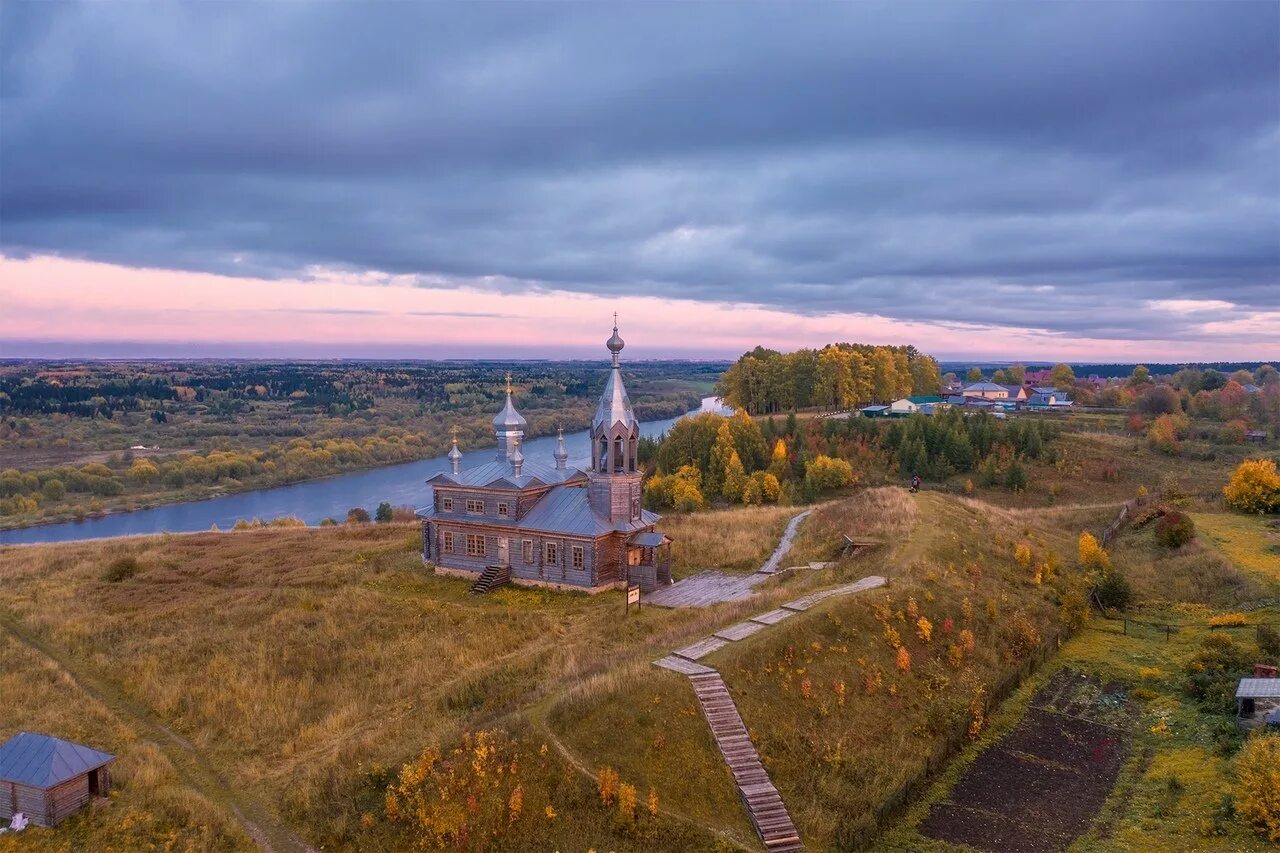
x=791 y=423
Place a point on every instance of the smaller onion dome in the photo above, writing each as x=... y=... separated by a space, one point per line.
x=561 y=453
x=455 y=455
x=517 y=459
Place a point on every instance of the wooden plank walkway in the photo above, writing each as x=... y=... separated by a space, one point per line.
x=707 y=588
x=702 y=648
x=764 y=804
x=684 y=666
x=740 y=631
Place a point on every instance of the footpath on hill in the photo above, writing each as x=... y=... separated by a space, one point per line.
x=194 y=769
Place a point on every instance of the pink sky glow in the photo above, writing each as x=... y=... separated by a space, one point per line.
x=338 y=314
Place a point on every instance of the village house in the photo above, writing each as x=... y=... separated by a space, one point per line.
x=548 y=524
x=986 y=391
x=922 y=403
x=46 y=778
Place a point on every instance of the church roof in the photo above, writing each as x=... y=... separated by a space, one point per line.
x=42 y=761
x=568 y=510
x=614 y=404
x=498 y=475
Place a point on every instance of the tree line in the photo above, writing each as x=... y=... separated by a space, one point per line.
x=839 y=376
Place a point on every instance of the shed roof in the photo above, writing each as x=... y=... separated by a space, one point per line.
x=925 y=398
x=1258 y=688
x=43 y=761
x=648 y=539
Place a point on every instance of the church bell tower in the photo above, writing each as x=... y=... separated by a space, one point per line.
x=614 y=479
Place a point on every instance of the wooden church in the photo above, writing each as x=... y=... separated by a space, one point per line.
x=544 y=523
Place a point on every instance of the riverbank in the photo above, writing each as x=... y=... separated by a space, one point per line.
x=311 y=499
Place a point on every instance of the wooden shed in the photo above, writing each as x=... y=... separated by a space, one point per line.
x=47 y=778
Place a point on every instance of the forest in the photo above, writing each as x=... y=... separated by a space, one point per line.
x=839 y=376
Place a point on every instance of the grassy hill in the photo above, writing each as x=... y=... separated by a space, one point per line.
x=276 y=683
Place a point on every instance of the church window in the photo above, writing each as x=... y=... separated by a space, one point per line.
x=504 y=510
x=578 y=558
x=635 y=507
x=446 y=541
x=446 y=504
x=475 y=545
x=618 y=463
x=552 y=553
x=475 y=507
x=527 y=551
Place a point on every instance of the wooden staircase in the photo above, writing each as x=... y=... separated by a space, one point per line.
x=491 y=578
x=764 y=804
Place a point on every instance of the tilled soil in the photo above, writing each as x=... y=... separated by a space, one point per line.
x=1040 y=787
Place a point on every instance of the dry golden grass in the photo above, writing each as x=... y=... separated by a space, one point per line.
x=304 y=663
x=160 y=808
x=737 y=540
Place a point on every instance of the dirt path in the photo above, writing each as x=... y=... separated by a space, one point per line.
x=194 y=769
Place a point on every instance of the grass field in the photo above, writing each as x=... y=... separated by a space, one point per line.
x=305 y=664
x=274 y=681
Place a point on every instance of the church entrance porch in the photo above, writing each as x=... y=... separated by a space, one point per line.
x=649 y=560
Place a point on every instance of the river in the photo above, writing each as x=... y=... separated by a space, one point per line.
x=311 y=501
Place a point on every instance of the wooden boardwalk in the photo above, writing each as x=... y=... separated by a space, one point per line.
x=764 y=804
x=707 y=588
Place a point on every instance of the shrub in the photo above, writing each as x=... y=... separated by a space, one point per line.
x=1233 y=432
x=383 y=514
x=121 y=569
x=1175 y=529
x=1269 y=641
x=763 y=487
x=1163 y=435
x=1213 y=671
x=1254 y=487
x=1257 y=798
x=358 y=515
x=1229 y=620
x=1113 y=591
x=825 y=473
x=904 y=659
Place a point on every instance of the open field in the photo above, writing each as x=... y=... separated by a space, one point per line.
x=305 y=665
x=737 y=540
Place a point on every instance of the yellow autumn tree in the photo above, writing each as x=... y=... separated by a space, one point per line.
x=779 y=464
x=904 y=659
x=1092 y=555
x=735 y=478
x=1257 y=796
x=1254 y=487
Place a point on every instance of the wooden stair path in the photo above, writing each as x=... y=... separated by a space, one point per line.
x=764 y=804
x=491 y=578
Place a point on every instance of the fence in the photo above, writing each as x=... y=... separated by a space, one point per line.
x=863 y=837
x=1126 y=512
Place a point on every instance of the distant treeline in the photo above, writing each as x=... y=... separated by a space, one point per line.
x=838 y=376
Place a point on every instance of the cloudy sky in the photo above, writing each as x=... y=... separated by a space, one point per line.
x=1079 y=181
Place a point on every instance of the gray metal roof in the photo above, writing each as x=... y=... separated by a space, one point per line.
x=1258 y=688
x=508 y=417
x=614 y=404
x=498 y=475
x=648 y=539
x=985 y=386
x=568 y=510
x=43 y=761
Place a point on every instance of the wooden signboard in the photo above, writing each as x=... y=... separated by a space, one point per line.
x=633 y=597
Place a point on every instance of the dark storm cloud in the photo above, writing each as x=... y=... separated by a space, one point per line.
x=1047 y=165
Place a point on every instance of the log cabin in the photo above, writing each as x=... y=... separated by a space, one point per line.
x=47 y=778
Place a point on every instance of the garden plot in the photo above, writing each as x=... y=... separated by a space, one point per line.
x=1040 y=787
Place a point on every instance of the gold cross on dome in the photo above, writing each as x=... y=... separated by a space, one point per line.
x=508 y=381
